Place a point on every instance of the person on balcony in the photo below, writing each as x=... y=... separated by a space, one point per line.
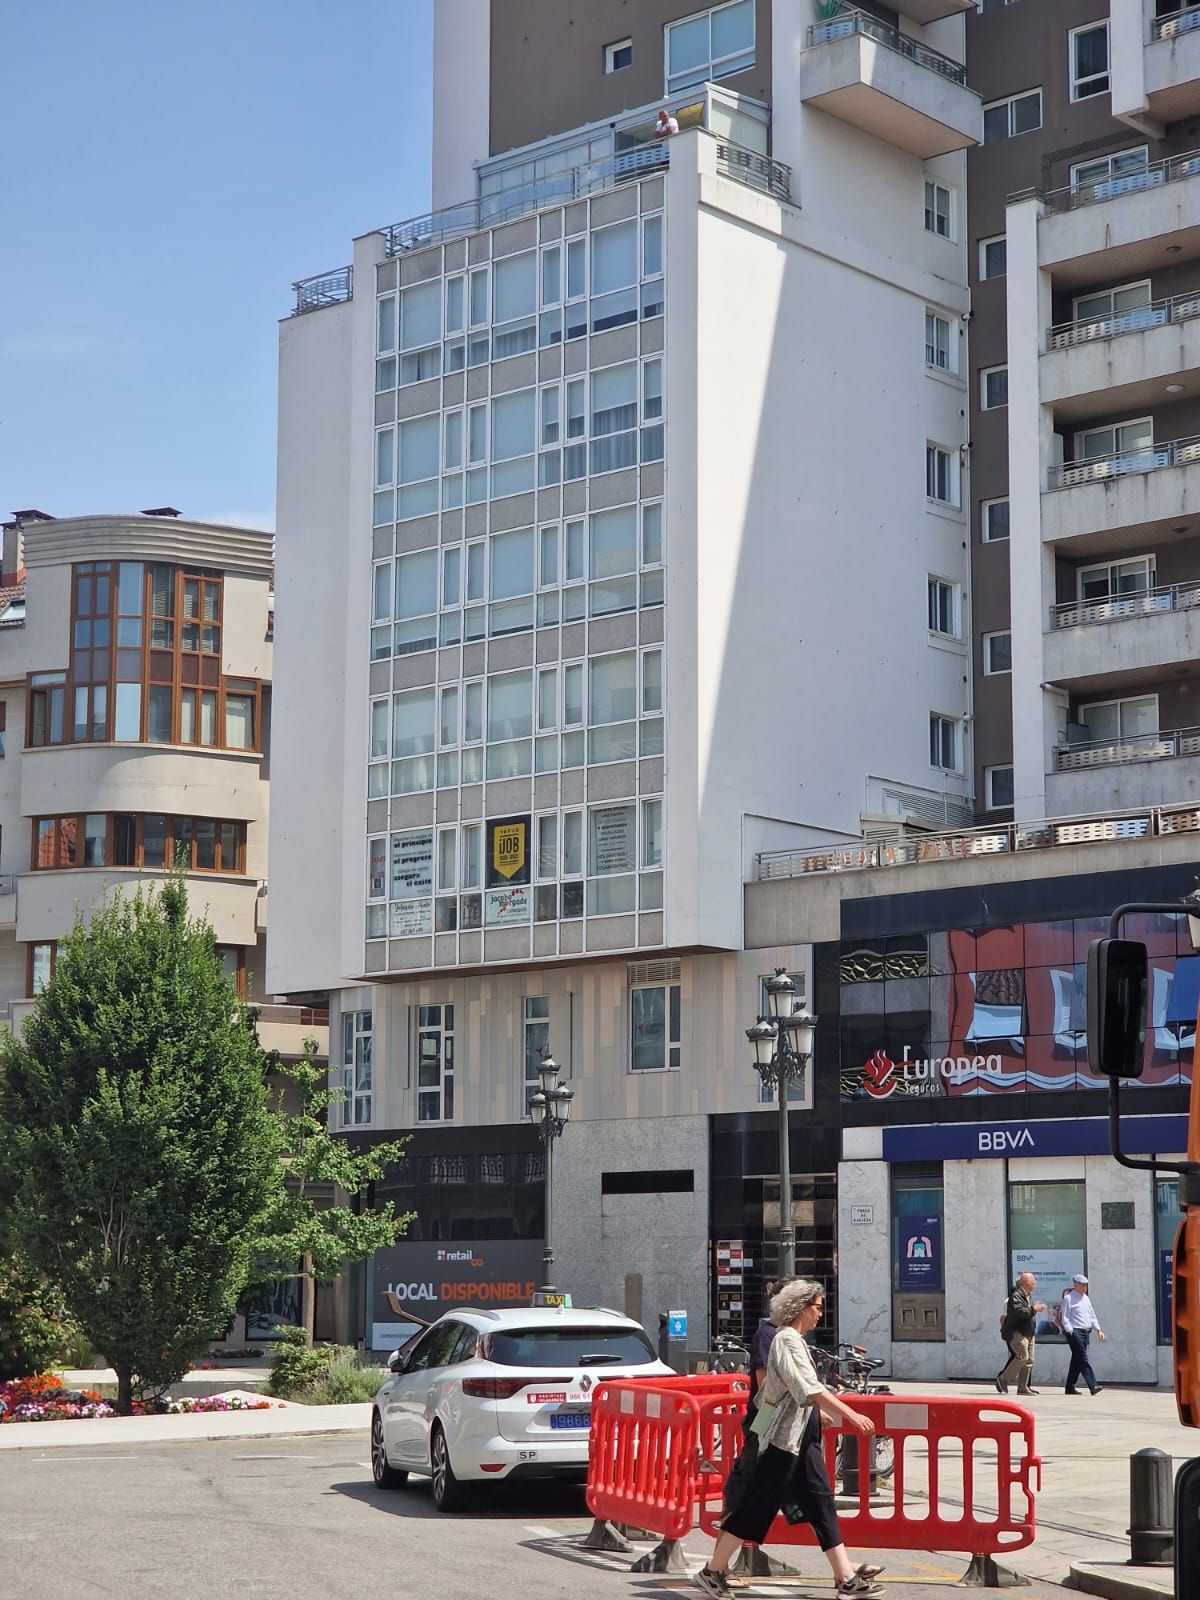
x=666 y=125
x=791 y=1469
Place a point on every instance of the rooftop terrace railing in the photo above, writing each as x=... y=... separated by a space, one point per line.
x=1177 y=22
x=1001 y=838
x=325 y=289
x=848 y=23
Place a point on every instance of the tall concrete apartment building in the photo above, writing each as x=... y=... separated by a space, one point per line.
x=624 y=535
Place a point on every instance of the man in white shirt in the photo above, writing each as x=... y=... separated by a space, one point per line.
x=1077 y=1318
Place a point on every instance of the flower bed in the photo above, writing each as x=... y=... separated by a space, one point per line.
x=43 y=1399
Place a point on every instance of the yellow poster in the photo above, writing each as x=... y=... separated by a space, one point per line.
x=508 y=848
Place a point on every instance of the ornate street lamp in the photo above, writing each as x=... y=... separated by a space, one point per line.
x=783 y=1046
x=550 y=1111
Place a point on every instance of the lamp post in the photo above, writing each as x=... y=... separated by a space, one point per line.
x=550 y=1111
x=783 y=1044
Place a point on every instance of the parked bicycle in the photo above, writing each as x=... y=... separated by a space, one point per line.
x=728 y=1354
x=849 y=1368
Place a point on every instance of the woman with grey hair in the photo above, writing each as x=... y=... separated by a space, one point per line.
x=790 y=1467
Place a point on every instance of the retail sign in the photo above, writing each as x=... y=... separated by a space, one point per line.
x=417 y=1281
x=882 y=1077
x=612 y=845
x=504 y=907
x=983 y=1141
x=412 y=864
x=408 y=918
x=507 y=851
x=1054 y=1271
x=677 y=1324
x=862 y=1216
x=919 y=1254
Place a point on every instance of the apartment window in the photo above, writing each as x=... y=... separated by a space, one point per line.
x=1089 y=61
x=998 y=788
x=537 y=1042
x=937 y=210
x=1123 y=438
x=1112 y=580
x=1110 y=303
x=943 y=608
x=997 y=653
x=41 y=965
x=939 y=351
x=654 y=1014
x=941 y=475
x=435 y=1063
x=1134 y=718
x=100 y=839
x=993 y=388
x=618 y=56
x=943 y=742
x=1124 y=165
x=713 y=44
x=356 y=1068
x=994 y=520
x=993 y=256
x=1019 y=113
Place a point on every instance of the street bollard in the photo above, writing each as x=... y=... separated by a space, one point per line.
x=1151 y=1524
x=851 y=1459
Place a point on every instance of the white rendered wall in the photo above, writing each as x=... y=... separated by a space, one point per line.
x=804 y=585
x=461 y=96
x=314 y=541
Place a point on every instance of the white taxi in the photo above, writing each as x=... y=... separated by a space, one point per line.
x=483 y=1396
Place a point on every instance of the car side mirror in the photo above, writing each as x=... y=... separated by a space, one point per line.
x=1117 y=986
x=396 y=1361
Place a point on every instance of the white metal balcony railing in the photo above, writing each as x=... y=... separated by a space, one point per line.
x=1117 y=608
x=1178 y=22
x=1175 y=308
x=1001 y=838
x=1124 y=463
x=1118 y=752
x=848 y=23
x=1172 y=169
x=734 y=161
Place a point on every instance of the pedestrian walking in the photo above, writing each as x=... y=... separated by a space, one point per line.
x=790 y=1468
x=1017 y=1331
x=760 y=1349
x=1077 y=1318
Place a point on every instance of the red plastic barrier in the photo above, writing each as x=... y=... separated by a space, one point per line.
x=915 y=1508
x=642 y=1455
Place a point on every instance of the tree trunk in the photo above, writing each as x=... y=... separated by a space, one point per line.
x=308 y=1299
x=124 y=1390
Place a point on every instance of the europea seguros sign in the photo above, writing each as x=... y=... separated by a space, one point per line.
x=881 y=1076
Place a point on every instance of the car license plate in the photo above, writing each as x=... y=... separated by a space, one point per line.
x=571 y=1419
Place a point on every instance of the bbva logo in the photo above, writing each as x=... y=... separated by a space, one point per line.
x=1005 y=1139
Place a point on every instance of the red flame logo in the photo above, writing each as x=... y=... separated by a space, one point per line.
x=879 y=1075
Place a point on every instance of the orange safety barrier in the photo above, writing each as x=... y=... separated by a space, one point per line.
x=964 y=1476
x=642 y=1453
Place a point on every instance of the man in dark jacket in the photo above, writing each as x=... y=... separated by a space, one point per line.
x=1017 y=1332
x=760 y=1350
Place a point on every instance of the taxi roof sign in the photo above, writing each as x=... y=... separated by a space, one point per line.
x=552 y=1298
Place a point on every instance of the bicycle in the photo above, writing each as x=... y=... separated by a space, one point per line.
x=728 y=1354
x=849 y=1369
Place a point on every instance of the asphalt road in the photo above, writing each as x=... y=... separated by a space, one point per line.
x=300 y=1519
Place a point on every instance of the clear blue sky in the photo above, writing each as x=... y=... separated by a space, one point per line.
x=170 y=167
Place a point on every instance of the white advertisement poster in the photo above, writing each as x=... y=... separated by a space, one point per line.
x=409 y=918
x=412 y=864
x=1053 y=1270
x=504 y=907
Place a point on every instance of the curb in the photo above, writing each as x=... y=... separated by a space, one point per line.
x=107 y=1432
x=1113 y=1581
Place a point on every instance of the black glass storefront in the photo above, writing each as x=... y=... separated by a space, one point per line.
x=467 y=1184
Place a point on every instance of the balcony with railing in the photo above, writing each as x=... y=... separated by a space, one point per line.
x=1158 y=76
x=1122 y=361
x=1126 y=463
x=1080 y=755
x=867 y=73
x=1116 y=226
x=1097 y=644
x=325 y=289
x=1144 y=487
x=285 y=1028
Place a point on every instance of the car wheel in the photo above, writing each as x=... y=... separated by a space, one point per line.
x=448 y=1493
x=385 y=1477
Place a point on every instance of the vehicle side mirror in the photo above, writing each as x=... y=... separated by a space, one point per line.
x=396 y=1361
x=1117 y=986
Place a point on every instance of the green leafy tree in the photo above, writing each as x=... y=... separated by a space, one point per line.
x=35 y=1327
x=305 y=1224
x=138 y=1150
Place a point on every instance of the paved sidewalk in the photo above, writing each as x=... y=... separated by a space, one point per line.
x=284 y=1419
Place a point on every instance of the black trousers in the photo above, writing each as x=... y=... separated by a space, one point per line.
x=1080 y=1366
x=799 y=1482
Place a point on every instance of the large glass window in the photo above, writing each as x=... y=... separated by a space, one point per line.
x=356 y=1068
x=537 y=1041
x=1047 y=1235
x=918 y=1252
x=714 y=44
x=435 y=1063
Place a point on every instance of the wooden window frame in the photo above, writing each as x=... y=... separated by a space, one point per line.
x=138 y=864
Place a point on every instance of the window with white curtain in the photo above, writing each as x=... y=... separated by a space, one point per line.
x=416 y=584
x=412 y=723
x=614 y=418
x=614 y=257
x=510 y=706
x=613 y=561
x=514 y=287
x=420 y=442
x=420 y=315
x=612 y=688
x=512 y=425
x=512 y=564
x=652 y=682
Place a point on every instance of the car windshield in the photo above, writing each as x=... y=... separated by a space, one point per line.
x=570 y=1347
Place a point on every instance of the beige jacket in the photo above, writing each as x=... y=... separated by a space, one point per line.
x=792 y=1385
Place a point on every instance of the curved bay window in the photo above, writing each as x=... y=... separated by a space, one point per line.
x=122 y=839
x=145 y=664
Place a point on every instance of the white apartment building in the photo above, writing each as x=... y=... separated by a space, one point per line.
x=623 y=536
